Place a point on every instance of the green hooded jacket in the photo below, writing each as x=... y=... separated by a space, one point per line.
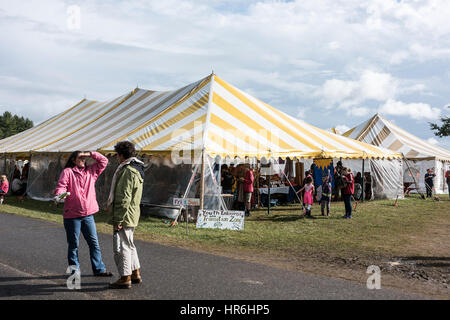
x=127 y=197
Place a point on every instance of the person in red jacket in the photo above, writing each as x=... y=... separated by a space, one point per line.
x=248 y=189
x=80 y=206
x=348 y=191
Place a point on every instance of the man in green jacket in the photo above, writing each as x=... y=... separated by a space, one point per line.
x=124 y=200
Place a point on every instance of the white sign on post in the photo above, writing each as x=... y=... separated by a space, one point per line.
x=220 y=219
x=186 y=202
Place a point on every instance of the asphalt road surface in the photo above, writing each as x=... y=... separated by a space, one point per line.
x=33 y=264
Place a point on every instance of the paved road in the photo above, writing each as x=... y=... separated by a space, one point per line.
x=33 y=262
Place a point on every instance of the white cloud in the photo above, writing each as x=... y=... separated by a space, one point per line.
x=302 y=113
x=359 y=112
x=334 y=45
x=416 y=111
x=342 y=128
x=371 y=85
x=336 y=91
x=335 y=53
x=377 y=86
x=433 y=141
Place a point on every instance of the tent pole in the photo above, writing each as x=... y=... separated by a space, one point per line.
x=202 y=181
x=258 y=174
x=362 y=182
x=268 y=191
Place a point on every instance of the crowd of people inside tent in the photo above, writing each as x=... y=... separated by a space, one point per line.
x=19 y=180
x=245 y=189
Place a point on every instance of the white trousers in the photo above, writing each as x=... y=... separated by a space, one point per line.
x=125 y=254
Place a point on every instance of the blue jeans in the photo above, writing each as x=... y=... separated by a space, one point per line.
x=348 y=204
x=87 y=227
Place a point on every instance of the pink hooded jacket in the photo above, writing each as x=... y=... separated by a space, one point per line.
x=4 y=187
x=80 y=183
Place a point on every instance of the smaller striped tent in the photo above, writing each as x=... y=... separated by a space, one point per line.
x=420 y=154
x=380 y=132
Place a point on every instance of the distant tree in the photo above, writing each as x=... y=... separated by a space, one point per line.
x=12 y=124
x=444 y=129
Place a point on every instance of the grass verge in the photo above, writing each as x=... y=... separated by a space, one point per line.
x=416 y=232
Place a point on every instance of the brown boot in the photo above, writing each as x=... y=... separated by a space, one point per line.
x=123 y=283
x=136 y=277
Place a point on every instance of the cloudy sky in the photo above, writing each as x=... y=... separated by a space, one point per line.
x=328 y=62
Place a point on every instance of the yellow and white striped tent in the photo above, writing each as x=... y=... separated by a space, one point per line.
x=209 y=115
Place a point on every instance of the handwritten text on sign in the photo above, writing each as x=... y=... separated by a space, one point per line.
x=186 y=202
x=220 y=219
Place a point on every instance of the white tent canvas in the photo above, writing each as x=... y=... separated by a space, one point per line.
x=419 y=154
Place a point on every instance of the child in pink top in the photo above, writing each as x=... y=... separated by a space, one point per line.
x=4 y=188
x=308 y=195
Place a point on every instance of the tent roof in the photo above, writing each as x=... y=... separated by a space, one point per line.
x=209 y=114
x=381 y=132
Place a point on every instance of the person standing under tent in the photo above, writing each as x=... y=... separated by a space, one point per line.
x=239 y=203
x=338 y=172
x=248 y=189
x=367 y=186
x=308 y=195
x=358 y=186
x=227 y=180
x=81 y=205
x=124 y=200
x=348 y=191
x=447 y=178
x=4 y=188
x=429 y=184
x=325 y=199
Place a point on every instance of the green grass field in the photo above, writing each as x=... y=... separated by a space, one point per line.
x=377 y=228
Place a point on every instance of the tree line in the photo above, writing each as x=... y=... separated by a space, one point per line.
x=12 y=124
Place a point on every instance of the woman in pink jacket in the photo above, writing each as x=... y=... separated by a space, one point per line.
x=81 y=205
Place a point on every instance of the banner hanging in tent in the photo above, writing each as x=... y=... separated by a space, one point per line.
x=321 y=169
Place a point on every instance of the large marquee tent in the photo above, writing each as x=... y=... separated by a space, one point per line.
x=209 y=120
x=419 y=154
